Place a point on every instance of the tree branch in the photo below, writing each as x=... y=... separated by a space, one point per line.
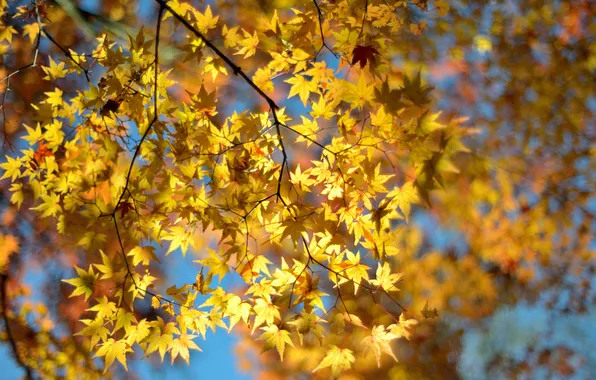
x=28 y=370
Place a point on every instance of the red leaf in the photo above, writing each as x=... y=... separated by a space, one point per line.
x=364 y=54
x=40 y=155
x=32 y=12
x=111 y=106
x=125 y=207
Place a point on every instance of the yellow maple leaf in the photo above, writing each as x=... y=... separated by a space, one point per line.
x=266 y=312
x=378 y=342
x=105 y=308
x=50 y=206
x=106 y=268
x=274 y=337
x=206 y=21
x=359 y=94
x=322 y=108
x=301 y=179
x=181 y=345
x=249 y=44
x=54 y=71
x=403 y=198
x=385 y=279
x=401 y=329
x=6 y=33
x=162 y=337
x=217 y=264
x=113 y=349
x=54 y=98
x=12 y=168
x=338 y=359
x=31 y=31
x=84 y=284
x=231 y=36
x=94 y=329
x=301 y=87
x=143 y=255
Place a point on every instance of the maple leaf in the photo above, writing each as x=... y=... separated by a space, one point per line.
x=84 y=284
x=138 y=332
x=113 y=349
x=265 y=312
x=385 y=279
x=124 y=207
x=356 y=271
x=323 y=108
x=254 y=266
x=202 y=283
x=12 y=168
x=414 y=91
x=94 y=329
x=378 y=214
x=359 y=94
x=308 y=322
x=40 y=155
x=389 y=98
x=401 y=329
x=308 y=292
x=378 y=342
x=33 y=10
x=161 y=338
x=294 y=228
x=125 y=320
x=363 y=55
x=217 y=264
x=353 y=319
x=106 y=267
x=55 y=98
x=143 y=255
x=404 y=197
x=6 y=33
x=104 y=308
x=249 y=44
x=338 y=359
x=111 y=105
x=179 y=238
x=301 y=87
x=205 y=102
x=55 y=71
x=231 y=36
x=429 y=313
x=206 y=21
x=181 y=345
x=301 y=179
x=274 y=337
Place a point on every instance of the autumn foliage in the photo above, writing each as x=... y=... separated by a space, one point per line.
x=367 y=190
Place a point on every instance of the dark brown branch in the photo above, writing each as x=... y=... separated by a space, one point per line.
x=28 y=370
x=7 y=79
x=363 y=19
x=238 y=71
x=66 y=53
x=235 y=68
x=155 y=115
x=323 y=42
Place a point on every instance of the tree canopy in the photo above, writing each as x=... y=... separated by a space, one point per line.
x=363 y=188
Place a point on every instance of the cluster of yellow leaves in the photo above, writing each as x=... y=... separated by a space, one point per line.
x=155 y=181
